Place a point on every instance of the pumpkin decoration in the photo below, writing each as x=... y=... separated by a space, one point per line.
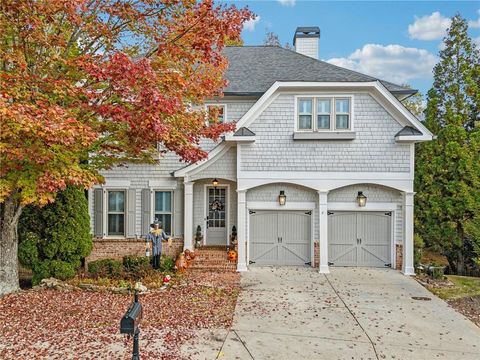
x=232 y=255
x=181 y=263
x=189 y=256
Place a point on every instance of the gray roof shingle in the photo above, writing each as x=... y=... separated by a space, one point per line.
x=253 y=69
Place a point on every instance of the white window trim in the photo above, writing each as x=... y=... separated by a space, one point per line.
x=172 y=210
x=106 y=212
x=225 y=119
x=333 y=119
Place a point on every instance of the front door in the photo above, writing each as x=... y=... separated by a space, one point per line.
x=216 y=216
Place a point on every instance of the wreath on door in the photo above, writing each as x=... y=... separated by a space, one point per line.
x=216 y=205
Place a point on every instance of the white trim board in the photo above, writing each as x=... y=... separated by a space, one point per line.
x=369 y=206
x=326 y=185
x=274 y=205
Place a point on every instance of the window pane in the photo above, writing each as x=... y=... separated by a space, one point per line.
x=166 y=220
x=116 y=224
x=342 y=105
x=305 y=122
x=323 y=106
x=163 y=201
x=342 y=122
x=323 y=121
x=305 y=106
x=116 y=201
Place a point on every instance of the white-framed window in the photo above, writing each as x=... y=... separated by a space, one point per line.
x=219 y=109
x=305 y=114
x=342 y=113
x=324 y=113
x=163 y=209
x=116 y=212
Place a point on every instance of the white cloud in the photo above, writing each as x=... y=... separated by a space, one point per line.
x=429 y=27
x=395 y=63
x=474 y=24
x=287 y=2
x=249 y=25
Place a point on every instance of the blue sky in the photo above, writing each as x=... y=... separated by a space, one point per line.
x=393 y=40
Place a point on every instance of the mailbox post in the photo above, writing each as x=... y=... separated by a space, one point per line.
x=130 y=324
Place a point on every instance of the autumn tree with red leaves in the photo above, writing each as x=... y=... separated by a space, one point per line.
x=88 y=84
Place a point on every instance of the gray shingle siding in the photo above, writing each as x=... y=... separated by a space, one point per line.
x=373 y=150
x=224 y=167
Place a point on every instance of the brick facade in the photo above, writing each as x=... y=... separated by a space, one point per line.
x=316 y=254
x=118 y=248
x=399 y=256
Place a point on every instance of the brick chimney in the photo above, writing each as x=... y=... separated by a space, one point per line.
x=306 y=40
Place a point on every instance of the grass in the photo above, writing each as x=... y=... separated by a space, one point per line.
x=463 y=286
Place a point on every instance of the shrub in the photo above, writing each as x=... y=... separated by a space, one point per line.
x=418 y=246
x=167 y=263
x=54 y=239
x=105 y=268
x=136 y=266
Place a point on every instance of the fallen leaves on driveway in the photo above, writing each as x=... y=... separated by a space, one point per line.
x=51 y=324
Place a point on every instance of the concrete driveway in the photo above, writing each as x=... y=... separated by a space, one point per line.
x=352 y=313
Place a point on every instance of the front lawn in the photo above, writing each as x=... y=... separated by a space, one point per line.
x=461 y=286
x=75 y=324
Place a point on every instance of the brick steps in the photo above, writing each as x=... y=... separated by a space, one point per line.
x=212 y=258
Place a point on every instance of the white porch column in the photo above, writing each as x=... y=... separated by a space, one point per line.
x=188 y=216
x=323 y=223
x=407 y=266
x=242 y=230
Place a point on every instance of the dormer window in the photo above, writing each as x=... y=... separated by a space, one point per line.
x=324 y=113
x=218 y=110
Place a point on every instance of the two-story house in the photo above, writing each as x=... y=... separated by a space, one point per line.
x=319 y=171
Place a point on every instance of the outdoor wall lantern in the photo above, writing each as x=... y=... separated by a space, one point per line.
x=361 y=199
x=282 y=198
x=215 y=182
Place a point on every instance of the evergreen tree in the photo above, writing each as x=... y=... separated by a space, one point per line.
x=447 y=177
x=55 y=238
x=415 y=103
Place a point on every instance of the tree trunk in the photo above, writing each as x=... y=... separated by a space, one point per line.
x=10 y=211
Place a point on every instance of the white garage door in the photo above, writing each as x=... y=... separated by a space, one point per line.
x=359 y=238
x=280 y=237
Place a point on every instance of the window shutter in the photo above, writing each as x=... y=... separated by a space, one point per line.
x=98 y=213
x=146 y=208
x=131 y=198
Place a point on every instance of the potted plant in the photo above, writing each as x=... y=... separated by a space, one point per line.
x=198 y=236
x=233 y=238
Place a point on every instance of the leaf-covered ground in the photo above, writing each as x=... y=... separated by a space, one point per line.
x=52 y=324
